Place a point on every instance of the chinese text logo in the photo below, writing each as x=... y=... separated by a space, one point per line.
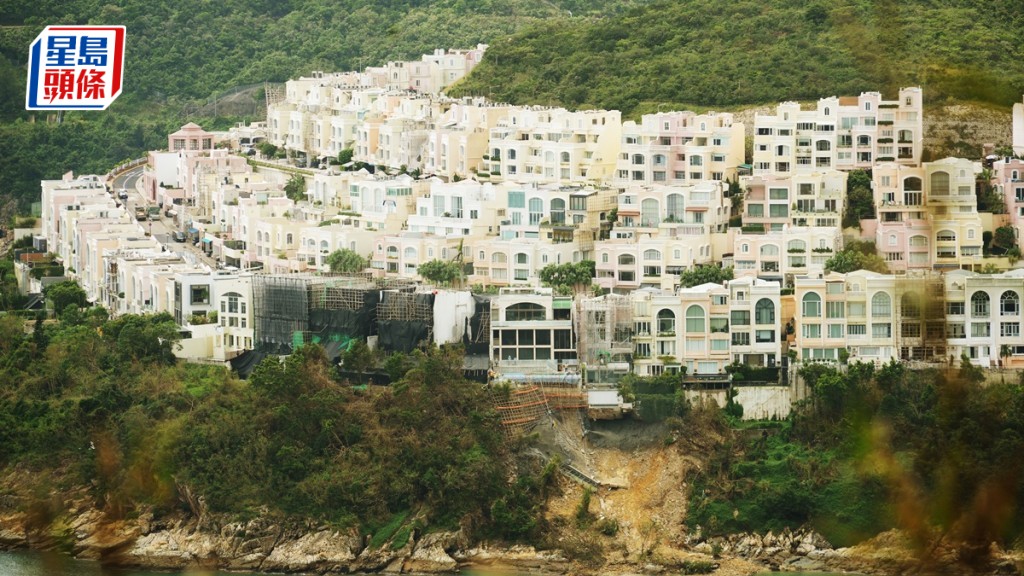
x=75 y=68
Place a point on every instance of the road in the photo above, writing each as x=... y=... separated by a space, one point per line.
x=161 y=228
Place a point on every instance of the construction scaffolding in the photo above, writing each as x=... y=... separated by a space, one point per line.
x=922 y=311
x=405 y=319
x=604 y=328
x=519 y=408
x=280 y=311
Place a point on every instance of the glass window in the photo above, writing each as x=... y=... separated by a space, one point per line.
x=979 y=305
x=812 y=305
x=694 y=319
x=764 y=312
x=881 y=305
x=835 y=330
x=740 y=317
x=666 y=321
x=881 y=330
x=1009 y=304
x=835 y=309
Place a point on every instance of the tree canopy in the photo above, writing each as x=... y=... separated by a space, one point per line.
x=64 y=294
x=440 y=272
x=857 y=255
x=345 y=261
x=573 y=276
x=703 y=274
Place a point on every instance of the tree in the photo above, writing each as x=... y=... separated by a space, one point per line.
x=345 y=156
x=576 y=276
x=440 y=271
x=857 y=256
x=860 y=204
x=64 y=294
x=1004 y=238
x=704 y=274
x=345 y=261
x=358 y=358
x=267 y=149
x=296 y=188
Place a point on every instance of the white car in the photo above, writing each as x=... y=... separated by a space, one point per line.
x=122 y=194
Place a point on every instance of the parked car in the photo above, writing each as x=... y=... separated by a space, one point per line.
x=122 y=194
x=179 y=236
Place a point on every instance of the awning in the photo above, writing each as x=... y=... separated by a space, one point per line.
x=193 y=230
x=207 y=240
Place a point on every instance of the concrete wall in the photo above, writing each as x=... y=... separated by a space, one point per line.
x=764 y=402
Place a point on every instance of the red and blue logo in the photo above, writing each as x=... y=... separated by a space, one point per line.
x=75 y=68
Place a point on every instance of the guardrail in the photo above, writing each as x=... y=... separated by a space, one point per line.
x=117 y=170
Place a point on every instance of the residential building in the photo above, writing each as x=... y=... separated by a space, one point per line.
x=784 y=255
x=840 y=133
x=531 y=330
x=812 y=199
x=680 y=147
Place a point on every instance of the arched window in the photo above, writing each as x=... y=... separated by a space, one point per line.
x=499 y=258
x=675 y=207
x=392 y=251
x=522 y=258
x=652 y=255
x=289 y=239
x=638 y=159
x=863 y=140
x=769 y=250
x=604 y=258
x=666 y=321
x=940 y=183
x=649 y=209
x=881 y=305
x=946 y=236
x=536 y=207
x=626 y=260
x=565 y=156
x=912 y=184
x=764 y=312
x=524 y=312
x=797 y=246
x=812 y=305
x=324 y=246
x=911 y=305
x=892 y=239
x=979 y=305
x=824 y=145
x=233 y=298
x=694 y=320
x=1009 y=304
x=659 y=159
x=557 y=211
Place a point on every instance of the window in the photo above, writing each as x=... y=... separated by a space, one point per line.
x=857 y=330
x=835 y=330
x=536 y=210
x=694 y=319
x=763 y=336
x=812 y=305
x=200 y=294
x=1009 y=304
x=718 y=325
x=741 y=339
x=233 y=298
x=778 y=210
x=812 y=330
x=979 y=305
x=1009 y=329
x=517 y=199
x=524 y=312
x=652 y=255
x=740 y=317
x=911 y=305
x=666 y=321
x=719 y=345
x=778 y=194
x=643 y=350
x=940 y=183
x=980 y=329
x=755 y=210
x=764 y=312
x=883 y=330
x=881 y=306
x=835 y=309
x=955 y=308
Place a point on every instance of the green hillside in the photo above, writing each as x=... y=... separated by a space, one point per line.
x=731 y=52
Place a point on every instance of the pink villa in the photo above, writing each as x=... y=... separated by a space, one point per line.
x=1008 y=178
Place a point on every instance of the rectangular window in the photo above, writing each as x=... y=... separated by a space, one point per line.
x=812 y=330
x=778 y=194
x=719 y=345
x=516 y=199
x=740 y=317
x=835 y=330
x=956 y=330
x=764 y=336
x=955 y=308
x=200 y=294
x=1009 y=329
x=695 y=345
x=778 y=210
x=835 y=309
x=980 y=329
x=741 y=339
x=755 y=210
x=882 y=330
x=857 y=330
x=855 y=309
x=719 y=325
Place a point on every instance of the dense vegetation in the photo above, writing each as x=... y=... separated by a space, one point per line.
x=180 y=57
x=729 y=52
x=873 y=449
x=104 y=403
